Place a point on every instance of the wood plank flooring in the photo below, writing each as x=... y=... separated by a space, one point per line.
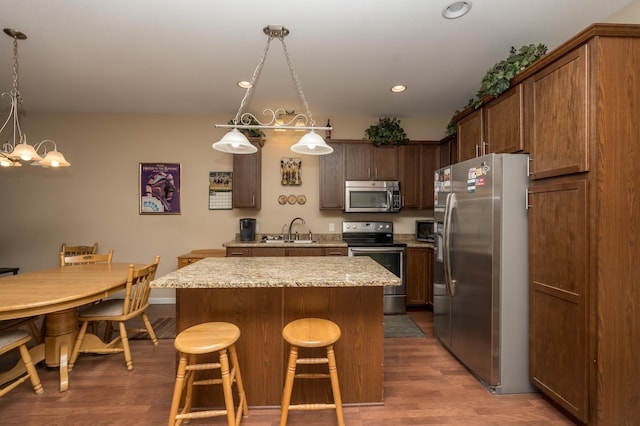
x=423 y=384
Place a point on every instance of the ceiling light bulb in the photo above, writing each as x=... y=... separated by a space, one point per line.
x=398 y=88
x=245 y=84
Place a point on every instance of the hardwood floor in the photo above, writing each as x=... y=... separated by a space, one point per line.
x=423 y=385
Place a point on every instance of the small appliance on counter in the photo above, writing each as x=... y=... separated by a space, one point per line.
x=247 y=229
x=425 y=231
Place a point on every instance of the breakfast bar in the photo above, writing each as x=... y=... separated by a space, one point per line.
x=262 y=294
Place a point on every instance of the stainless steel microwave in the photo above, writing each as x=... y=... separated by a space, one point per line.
x=372 y=196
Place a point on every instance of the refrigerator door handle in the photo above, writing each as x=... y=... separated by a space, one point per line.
x=450 y=205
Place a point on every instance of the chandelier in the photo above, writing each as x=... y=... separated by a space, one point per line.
x=279 y=119
x=15 y=148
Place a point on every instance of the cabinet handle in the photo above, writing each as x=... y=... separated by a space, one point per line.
x=334 y=253
x=527 y=205
x=485 y=148
x=477 y=148
x=236 y=253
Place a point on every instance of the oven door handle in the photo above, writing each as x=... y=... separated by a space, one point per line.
x=355 y=250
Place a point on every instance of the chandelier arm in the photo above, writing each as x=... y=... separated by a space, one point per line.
x=296 y=81
x=254 y=81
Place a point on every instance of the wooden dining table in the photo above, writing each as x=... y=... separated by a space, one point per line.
x=57 y=292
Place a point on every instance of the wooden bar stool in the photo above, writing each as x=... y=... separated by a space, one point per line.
x=311 y=333
x=201 y=339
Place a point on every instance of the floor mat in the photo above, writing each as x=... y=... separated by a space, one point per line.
x=401 y=326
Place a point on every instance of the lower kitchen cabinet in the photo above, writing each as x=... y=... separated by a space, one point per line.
x=419 y=276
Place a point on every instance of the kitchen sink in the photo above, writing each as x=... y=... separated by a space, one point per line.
x=304 y=241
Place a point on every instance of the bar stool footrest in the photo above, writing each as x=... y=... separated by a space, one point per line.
x=312 y=376
x=312 y=406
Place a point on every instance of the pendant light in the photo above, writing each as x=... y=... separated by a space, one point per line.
x=16 y=148
x=237 y=143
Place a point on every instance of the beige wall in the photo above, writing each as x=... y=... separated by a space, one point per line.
x=96 y=199
x=627 y=15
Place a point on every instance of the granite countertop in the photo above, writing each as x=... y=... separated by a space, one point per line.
x=253 y=272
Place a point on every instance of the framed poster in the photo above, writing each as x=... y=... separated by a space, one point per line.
x=159 y=188
x=220 y=190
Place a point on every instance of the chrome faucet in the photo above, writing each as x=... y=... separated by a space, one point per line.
x=291 y=225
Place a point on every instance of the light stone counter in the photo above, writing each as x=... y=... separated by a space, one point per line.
x=261 y=272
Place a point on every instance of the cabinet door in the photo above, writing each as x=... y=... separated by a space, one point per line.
x=365 y=161
x=503 y=123
x=417 y=271
x=416 y=166
x=268 y=251
x=448 y=152
x=313 y=251
x=384 y=162
x=247 y=184
x=470 y=136
x=358 y=161
x=332 y=178
x=559 y=360
x=557 y=113
x=410 y=184
x=428 y=164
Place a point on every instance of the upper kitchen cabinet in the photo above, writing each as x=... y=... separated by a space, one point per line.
x=448 y=151
x=470 y=136
x=416 y=163
x=366 y=161
x=332 y=178
x=557 y=126
x=247 y=180
x=495 y=127
x=581 y=123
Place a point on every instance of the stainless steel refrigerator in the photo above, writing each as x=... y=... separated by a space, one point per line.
x=481 y=268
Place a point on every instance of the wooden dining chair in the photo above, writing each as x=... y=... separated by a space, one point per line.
x=76 y=250
x=135 y=303
x=83 y=259
x=18 y=339
x=18 y=323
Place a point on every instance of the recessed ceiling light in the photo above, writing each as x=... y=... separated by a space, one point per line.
x=398 y=88
x=456 y=9
x=244 y=84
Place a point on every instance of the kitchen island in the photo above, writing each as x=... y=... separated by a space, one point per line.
x=262 y=294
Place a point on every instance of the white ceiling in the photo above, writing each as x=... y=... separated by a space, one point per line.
x=185 y=57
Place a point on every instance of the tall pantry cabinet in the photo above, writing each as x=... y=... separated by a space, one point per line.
x=582 y=125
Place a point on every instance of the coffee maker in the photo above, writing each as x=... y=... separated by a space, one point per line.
x=247 y=229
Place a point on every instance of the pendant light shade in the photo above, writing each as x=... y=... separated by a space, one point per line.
x=54 y=159
x=234 y=142
x=24 y=151
x=312 y=144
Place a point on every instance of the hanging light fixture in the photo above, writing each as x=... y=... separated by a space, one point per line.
x=16 y=148
x=236 y=143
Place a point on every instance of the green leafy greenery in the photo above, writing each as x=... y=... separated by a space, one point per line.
x=251 y=133
x=498 y=78
x=387 y=132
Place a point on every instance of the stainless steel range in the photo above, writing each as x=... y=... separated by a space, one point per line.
x=375 y=239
